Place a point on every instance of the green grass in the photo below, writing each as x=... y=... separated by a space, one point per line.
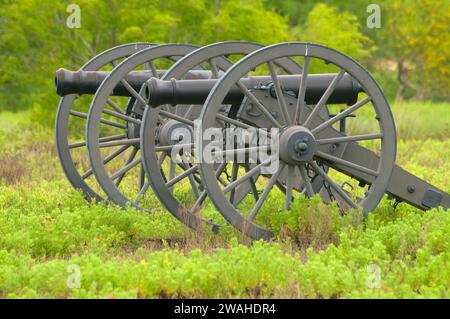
x=46 y=228
x=9 y=120
x=414 y=121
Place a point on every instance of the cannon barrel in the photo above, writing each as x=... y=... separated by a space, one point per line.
x=87 y=82
x=188 y=91
x=158 y=92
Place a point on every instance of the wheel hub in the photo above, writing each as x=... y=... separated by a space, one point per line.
x=173 y=132
x=133 y=130
x=297 y=145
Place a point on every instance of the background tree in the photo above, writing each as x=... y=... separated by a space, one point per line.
x=339 y=30
x=34 y=38
x=409 y=55
x=247 y=20
x=419 y=43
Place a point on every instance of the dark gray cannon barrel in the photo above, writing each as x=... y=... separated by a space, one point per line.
x=159 y=92
x=87 y=82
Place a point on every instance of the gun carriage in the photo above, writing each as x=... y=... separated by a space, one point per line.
x=148 y=104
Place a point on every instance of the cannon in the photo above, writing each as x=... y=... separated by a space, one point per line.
x=314 y=149
x=92 y=177
x=195 y=92
x=72 y=115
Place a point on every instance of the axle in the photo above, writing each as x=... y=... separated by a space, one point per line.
x=190 y=91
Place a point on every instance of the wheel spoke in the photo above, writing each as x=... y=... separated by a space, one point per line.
x=161 y=158
x=103 y=139
x=142 y=191
x=246 y=176
x=258 y=104
x=106 y=160
x=152 y=68
x=240 y=151
x=252 y=182
x=192 y=180
x=176 y=117
x=199 y=202
x=122 y=116
x=88 y=173
x=280 y=97
x=183 y=175
x=202 y=196
x=341 y=115
x=141 y=177
x=133 y=92
x=234 y=174
x=341 y=161
x=265 y=193
x=289 y=187
x=111 y=123
x=115 y=106
x=129 y=141
x=121 y=173
x=237 y=123
x=224 y=183
x=193 y=183
x=333 y=184
x=172 y=172
x=188 y=111
x=308 y=187
x=214 y=69
x=324 y=97
x=301 y=93
x=104 y=121
x=77 y=144
x=344 y=139
x=129 y=164
x=169 y=148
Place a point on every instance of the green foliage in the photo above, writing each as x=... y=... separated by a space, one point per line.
x=314 y=224
x=417 y=29
x=35 y=41
x=338 y=30
x=247 y=20
x=46 y=227
x=48 y=223
x=413 y=121
x=411 y=249
x=406 y=42
x=298 y=11
x=387 y=80
x=9 y=120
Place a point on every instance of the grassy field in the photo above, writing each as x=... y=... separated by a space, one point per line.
x=48 y=234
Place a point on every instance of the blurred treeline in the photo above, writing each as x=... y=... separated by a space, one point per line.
x=409 y=54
